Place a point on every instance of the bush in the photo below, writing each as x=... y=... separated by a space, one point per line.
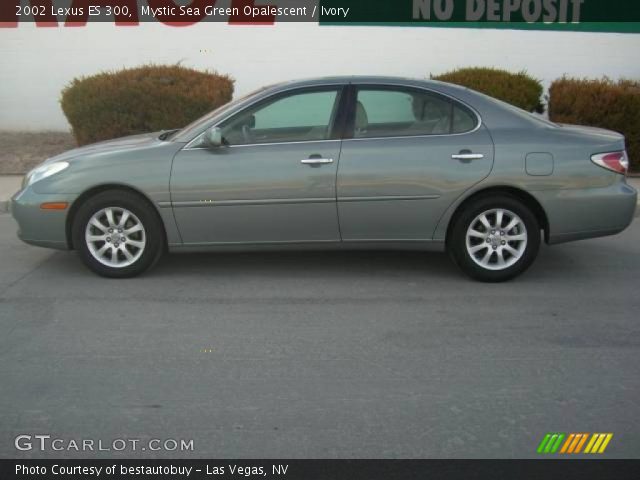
x=518 y=89
x=600 y=103
x=139 y=100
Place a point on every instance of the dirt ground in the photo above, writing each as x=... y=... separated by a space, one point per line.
x=21 y=151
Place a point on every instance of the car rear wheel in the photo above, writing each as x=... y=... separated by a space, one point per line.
x=117 y=234
x=495 y=239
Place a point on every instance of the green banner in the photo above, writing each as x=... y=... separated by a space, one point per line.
x=622 y=16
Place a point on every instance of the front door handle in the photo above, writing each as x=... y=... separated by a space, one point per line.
x=316 y=161
x=467 y=155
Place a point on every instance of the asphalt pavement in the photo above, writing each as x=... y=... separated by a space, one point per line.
x=321 y=355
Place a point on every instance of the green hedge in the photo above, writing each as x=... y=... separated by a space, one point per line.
x=518 y=89
x=138 y=100
x=600 y=103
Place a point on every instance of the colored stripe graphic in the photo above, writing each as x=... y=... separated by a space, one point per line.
x=581 y=443
x=574 y=442
x=543 y=443
x=565 y=447
x=598 y=443
x=557 y=443
x=551 y=442
x=604 y=445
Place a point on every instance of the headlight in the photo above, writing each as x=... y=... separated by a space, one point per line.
x=44 y=171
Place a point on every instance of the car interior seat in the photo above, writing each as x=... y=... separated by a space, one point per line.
x=362 y=120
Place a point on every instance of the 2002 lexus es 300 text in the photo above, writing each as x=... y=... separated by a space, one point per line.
x=353 y=162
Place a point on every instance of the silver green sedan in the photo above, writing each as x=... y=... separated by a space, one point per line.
x=351 y=162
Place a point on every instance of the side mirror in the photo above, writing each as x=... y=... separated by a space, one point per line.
x=213 y=137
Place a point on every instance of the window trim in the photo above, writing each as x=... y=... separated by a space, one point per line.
x=344 y=121
x=337 y=129
x=353 y=97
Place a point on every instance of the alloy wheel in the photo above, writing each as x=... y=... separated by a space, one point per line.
x=115 y=237
x=496 y=239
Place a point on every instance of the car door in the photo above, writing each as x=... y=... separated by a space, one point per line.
x=275 y=180
x=412 y=153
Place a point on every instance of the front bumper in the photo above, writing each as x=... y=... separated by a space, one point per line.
x=43 y=228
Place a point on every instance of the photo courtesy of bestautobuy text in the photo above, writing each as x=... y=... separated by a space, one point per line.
x=319 y=239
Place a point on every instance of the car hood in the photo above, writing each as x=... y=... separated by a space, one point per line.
x=132 y=142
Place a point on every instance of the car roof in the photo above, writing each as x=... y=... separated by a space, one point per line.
x=344 y=79
x=437 y=86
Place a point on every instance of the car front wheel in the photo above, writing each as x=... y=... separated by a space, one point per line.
x=494 y=239
x=117 y=234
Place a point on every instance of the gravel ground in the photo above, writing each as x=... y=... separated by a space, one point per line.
x=21 y=151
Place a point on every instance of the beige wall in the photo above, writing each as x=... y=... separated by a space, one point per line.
x=35 y=63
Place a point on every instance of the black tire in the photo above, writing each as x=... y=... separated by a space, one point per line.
x=457 y=241
x=140 y=208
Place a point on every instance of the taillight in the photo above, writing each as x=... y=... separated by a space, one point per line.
x=615 y=161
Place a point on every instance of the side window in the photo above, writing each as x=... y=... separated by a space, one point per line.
x=299 y=117
x=463 y=119
x=385 y=107
x=406 y=112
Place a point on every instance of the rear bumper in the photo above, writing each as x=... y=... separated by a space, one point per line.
x=43 y=228
x=589 y=213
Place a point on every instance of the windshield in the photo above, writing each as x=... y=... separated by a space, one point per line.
x=187 y=133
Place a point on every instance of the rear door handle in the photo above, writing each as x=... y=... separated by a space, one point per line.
x=467 y=156
x=316 y=161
